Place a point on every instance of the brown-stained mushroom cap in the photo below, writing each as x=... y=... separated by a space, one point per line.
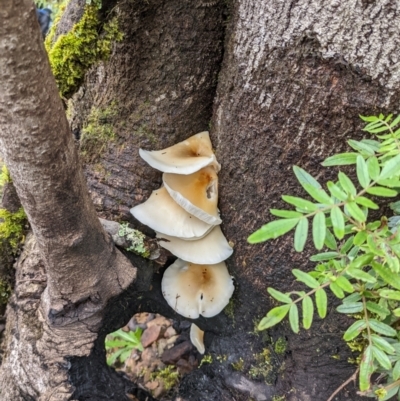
x=212 y=248
x=197 y=193
x=193 y=290
x=161 y=213
x=185 y=157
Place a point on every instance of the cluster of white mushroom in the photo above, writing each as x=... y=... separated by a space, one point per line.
x=184 y=214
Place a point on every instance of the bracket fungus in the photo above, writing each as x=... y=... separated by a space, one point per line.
x=193 y=289
x=197 y=193
x=212 y=248
x=162 y=214
x=185 y=157
x=184 y=214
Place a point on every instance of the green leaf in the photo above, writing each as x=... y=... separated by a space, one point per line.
x=382 y=358
x=366 y=368
x=337 y=222
x=300 y=234
x=286 y=214
x=388 y=276
x=361 y=200
x=336 y=290
x=360 y=238
x=347 y=184
x=308 y=312
x=319 y=230
x=341 y=159
x=369 y=118
x=273 y=229
x=294 y=318
x=330 y=240
x=391 y=168
x=336 y=191
x=396 y=371
x=382 y=328
x=360 y=275
x=305 y=278
x=393 y=124
x=381 y=191
x=274 y=316
x=114 y=356
x=373 y=168
x=354 y=297
x=279 y=296
x=344 y=284
x=318 y=194
x=355 y=211
x=347 y=245
x=375 y=308
x=354 y=330
x=322 y=302
x=125 y=354
x=300 y=203
x=362 y=147
x=350 y=307
x=381 y=343
x=324 y=256
x=390 y=294
x=362 y=172
x=305 y=178
x=361 y=261
x=390 y=182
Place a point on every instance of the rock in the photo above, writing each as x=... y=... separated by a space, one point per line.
x=184 y=366
x=150 y=335
x=170 y=332
x=171 y=356
x=160 y=321
x=142 y=318
x=161 y=346
x=152 y=385
x=184 y=325
x=159 y=391
x=171 y=341
x=133 y=325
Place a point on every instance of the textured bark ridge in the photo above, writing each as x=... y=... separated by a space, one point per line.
x=295 y=77
x=160 y=82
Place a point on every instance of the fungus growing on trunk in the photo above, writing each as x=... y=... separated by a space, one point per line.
x=161 y=213
x=185 y=157
x=193 y=289
x=197 y=193
x=197 y=338
x=212 y=248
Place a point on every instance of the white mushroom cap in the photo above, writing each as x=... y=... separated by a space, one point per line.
x=193 y=290
x=161 y=213
x=185 y=157
x=197 y=193
x=197 y=338
x=212 y=248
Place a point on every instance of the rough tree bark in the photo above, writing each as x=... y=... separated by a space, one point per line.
x=295 y=76
x=83 y=270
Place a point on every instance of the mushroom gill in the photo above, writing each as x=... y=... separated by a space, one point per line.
x=185 y=157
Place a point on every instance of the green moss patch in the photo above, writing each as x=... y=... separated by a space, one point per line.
x=97 y=132
x=72 y=54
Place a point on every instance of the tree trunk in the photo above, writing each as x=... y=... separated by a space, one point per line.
x=294 y=77
x=83 y=270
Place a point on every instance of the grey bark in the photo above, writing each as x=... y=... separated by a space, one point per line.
x=82 y=267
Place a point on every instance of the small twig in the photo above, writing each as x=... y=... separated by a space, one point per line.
x=352 y=378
